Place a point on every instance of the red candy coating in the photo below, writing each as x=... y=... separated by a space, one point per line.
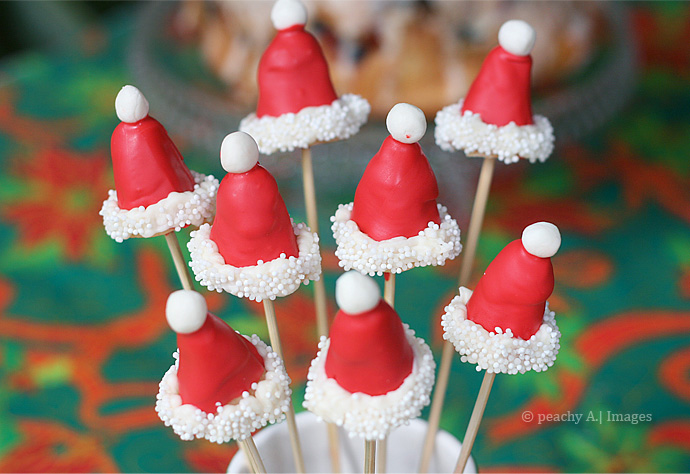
x=513 y=291
x=252 y=222
x=397 y=193
x=216 y=365
x=293 y=74
x=501 y=91
x=146 y=164
x=369 y=352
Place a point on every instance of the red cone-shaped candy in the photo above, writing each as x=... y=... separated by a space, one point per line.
x=252 y=222
x=293 y=73
x=513 y=291
x=216 y=363
x=146 y=164
x=501 y=92
x=397 y=193
x=368 y=350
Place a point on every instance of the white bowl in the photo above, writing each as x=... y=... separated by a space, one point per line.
x=404 y=449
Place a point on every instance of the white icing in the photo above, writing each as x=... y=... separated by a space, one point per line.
x=542 y=239
x=517 y=37
x=367 y=416
x=356 y=293
x=131 y=105
x=499 y=352
x=185 y=311
x=238 y=153
x=173 y=212
x=287 y=13
x=356 y=250
x=268 y=403
x=406 y=123
x=337 y=121
x=457 y=131
x=279 y=277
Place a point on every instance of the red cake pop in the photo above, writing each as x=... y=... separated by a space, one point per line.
x=297 y=104
x=395 y=222
x=220 y=376
x=512 y=293
x=156 y=192
x=372 y=374
x=505 y=325
x=252 y=222
x=495 y=118
x=216 y=364
x=397 y=193
x=253 y=249
x=293 y=73
x=369 y=352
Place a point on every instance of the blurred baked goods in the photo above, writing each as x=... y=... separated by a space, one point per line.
x=426 y=53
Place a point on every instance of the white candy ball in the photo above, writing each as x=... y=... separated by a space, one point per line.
x=185 y=311
x=287 y=13
x=238 y=153
x=356 y=293
x=131 y=105
x=517 y=37
x=406 y=123
x=542 y=239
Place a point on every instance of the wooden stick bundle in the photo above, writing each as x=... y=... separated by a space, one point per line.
x=475 y=227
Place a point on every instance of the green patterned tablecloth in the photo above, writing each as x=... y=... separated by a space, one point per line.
x=84 y=341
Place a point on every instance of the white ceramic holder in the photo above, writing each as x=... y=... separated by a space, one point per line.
x=404 y=449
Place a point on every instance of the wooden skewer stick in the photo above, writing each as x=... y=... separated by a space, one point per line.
x=382 y=445
x=475 y=421
x=370 y=457
x=476 y=221
x=251 y=454
x=313 y=223
x=273 y=335
x=178 y=259
x=319 y=286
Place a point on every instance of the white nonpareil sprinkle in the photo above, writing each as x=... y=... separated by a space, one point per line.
x=340 y=120
x=356 y=250
x=457 y=131
x=268 y=403
x=265 y=280
x=499 y=352
x=366 y=416
x=174 y=212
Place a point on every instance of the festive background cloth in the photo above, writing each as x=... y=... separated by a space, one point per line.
x=84 y=341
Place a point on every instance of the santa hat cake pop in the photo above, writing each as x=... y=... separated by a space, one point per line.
x=372 y=374
x=297 y=105
x=156 y=192
x=495 y=118
x=223 y=385
x=395 y=223
x=505 y=325
x=253 y=249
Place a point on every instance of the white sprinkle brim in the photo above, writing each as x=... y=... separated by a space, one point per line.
x=499 y=352
x=171 y=213
x=265 y=280
x=356 y=250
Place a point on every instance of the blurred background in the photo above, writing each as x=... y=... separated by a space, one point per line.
x=83 y=338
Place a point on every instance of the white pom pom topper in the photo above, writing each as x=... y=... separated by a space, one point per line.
x=185 y=311
x=542 y=239
x=517 y=37
x=287 y=13
x=356 y=293
x=131 y=105
x=406 y=123
x=238 y=153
